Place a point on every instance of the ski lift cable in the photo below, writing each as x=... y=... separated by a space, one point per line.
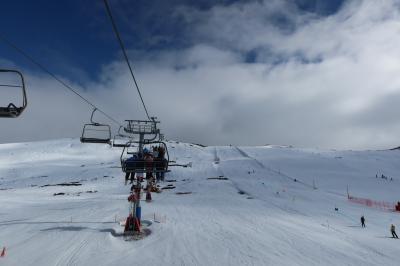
x=125 y=54
x=32 y=60
x=11 y=86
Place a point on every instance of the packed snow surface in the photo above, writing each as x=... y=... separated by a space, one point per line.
x=270 y=205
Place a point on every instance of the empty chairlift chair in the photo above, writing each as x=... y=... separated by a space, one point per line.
x=121 y=140
x=94 y=132
x=13 y=79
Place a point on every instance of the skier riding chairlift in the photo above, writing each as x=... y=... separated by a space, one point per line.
x=145 y=164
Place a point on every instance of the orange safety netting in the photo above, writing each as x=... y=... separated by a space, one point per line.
x=387 y=206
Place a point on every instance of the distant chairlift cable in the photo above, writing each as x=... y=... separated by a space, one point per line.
x=11 y=86
x=125 y=54
x=32 y=60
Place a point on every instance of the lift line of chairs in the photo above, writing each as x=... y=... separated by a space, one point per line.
x=95 y=132
x=131 y=161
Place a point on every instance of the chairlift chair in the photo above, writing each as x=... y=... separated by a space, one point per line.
x=121 y=140
x=140 y=165
x=11 y=110
x=94 y=132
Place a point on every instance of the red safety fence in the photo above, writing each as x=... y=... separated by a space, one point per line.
x=382 y=205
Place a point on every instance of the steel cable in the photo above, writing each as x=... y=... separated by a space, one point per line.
x=32 y=60
x=125 y=54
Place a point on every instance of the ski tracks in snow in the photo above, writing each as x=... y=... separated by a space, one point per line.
x=279 y=173
x=70 y=256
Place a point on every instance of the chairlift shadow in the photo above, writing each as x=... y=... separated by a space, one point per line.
x=66 y=228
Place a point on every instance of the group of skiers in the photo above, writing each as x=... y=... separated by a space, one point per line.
x=392 y=227
x=384 y=177
x=151 y=161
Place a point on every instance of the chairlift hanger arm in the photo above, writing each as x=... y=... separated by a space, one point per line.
x=119 y=131
x=91 y=117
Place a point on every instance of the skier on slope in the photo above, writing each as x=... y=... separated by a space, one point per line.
x=393 y=231
x=362 y=221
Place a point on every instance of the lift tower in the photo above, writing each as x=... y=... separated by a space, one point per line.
x=148 y=132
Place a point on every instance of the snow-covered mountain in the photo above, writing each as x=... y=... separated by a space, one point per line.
x=61 y=202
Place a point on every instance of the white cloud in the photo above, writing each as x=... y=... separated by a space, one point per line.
x=325 y=81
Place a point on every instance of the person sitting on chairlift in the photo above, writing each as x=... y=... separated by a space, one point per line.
x=131 y=163
x=163 y=161
x=148 y=158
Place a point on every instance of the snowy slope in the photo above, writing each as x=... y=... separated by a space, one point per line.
x=258 y=216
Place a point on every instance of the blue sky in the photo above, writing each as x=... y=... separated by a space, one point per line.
x=297 y=72
x=74 y=37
